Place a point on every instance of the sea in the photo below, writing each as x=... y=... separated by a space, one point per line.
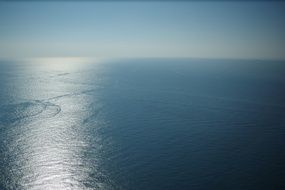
x=142 y=124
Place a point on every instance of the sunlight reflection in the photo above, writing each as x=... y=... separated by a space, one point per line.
x=52 y=140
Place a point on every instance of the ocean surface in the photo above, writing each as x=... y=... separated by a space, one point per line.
x=142 y=124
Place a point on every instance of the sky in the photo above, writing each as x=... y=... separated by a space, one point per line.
x=219 y=29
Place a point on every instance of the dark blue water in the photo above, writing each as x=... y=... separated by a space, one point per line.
x=142 y=124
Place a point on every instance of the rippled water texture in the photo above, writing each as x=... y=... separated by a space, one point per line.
x=142 y=124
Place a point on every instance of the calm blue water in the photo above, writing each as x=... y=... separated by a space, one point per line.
x=142 y=124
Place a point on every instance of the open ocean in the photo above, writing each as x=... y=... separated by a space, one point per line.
x=142 y=124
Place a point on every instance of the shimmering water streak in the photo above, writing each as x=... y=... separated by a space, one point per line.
x=47 y=137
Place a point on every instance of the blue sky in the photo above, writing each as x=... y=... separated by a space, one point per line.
x=242 y=30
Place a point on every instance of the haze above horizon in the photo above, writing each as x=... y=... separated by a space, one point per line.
x=235 y=30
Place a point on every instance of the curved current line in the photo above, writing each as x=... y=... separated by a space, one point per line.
x=30 y=109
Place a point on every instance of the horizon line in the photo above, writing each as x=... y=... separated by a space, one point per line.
x=138 y=57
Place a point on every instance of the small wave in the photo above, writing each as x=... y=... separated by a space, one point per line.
x=71 y=94
x=93 y=115
x=63 y=74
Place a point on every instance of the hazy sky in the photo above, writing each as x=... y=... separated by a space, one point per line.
x=143 y=29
